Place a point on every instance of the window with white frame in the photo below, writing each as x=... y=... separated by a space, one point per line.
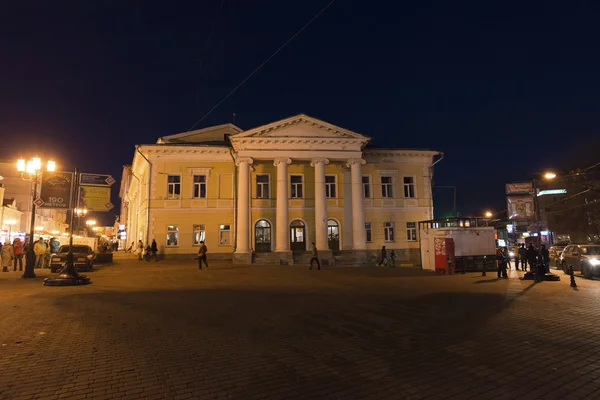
x=386 y=187
x=409 y=187
x=173 y=186
x=296 y=186
x=368 y=230
x=172 y=235
x=366 y=184
x=225 y=235
x=388 y=231
x=200 y=186
x=330 y=188
x=262 y=186
x=411 y=231
x=199 y=234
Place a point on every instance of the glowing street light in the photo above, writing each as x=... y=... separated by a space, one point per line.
x=90 y=222
x=488 y=214
x=30 y=171
x=549 y=175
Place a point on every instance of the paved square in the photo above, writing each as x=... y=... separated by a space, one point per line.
x=166 y=330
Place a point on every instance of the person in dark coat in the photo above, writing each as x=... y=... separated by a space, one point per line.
x=154 y=250
x=383 y=260
x=501 y=264
x=523 y=256
x=545 y=258
x=532 y=254
x=315 y=257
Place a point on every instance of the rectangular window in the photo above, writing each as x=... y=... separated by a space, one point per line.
x=199 y=234
x=386 y=187
x=174 y=187
x=330 y=191
x=366 y=184
x=262 y=186
x=172 y=236
x=409 y=187
x=368 y=229
x=388 y=231
x=200 y=186
x=411 y=231
x=225 y=235
x=296 y=189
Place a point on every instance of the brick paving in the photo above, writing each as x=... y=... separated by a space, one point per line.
x=168 y=331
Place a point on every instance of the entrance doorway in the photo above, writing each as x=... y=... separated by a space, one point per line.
x=333 y=235
x=297 y=236
x=262 y=236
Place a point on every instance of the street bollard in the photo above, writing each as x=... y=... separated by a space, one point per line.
x=483 y=273
x=572 y=273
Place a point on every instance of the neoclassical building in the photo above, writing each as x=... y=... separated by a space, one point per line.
x=265 y=194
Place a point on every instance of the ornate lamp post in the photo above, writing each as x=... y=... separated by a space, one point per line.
x=79 y=213
x=30 y=171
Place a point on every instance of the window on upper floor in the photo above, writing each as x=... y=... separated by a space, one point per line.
x=199 y=186
x=296 y=186
x=366 y=184
x=409 y=187
x=330 y=187
x=173 y=186
x=262 y=186
x=386 y=187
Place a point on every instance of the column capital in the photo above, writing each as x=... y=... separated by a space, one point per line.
x=352 y=161
x=316 y=161
x=241 y=160
x=277 y=161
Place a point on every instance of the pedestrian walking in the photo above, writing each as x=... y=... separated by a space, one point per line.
x=140 y=250
x=523 y=256
x=7 y=254
x=18 y=250
x=501 y=259
x=506 y=257
x=39 y=248
x=315 y=257
x=383 y=260
x=532 y=254
x=154 y=250
x=130 y=247
x=545 y=258
x=202 y=255
x=392 y=258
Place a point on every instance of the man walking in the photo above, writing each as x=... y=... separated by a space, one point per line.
x=532 y=254
x=545 y=258
x=202 y=255
x=315 y=257
x=523 y=255
x=154 y=250
x=383 y=260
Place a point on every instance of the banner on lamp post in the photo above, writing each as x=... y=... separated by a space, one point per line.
x=520 y=207
x=95 y=198
x=55 y=191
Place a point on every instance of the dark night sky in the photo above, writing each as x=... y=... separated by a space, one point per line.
x=505 y=89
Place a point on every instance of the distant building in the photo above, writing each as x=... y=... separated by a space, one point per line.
x=51 y=222
x=266 y=193
x=10 y=218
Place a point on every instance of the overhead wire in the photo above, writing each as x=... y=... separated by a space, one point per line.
x=263 y=63
x=210 y=35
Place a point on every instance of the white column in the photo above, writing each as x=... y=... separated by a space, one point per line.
x=282 y=241
x=243 y=199
x=320 y=203
x=359 y=235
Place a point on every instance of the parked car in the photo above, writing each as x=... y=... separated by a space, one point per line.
x=555 y=252
x=583 y=257
x=83 y=256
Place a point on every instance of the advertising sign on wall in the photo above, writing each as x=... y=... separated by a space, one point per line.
x=95 y=198
x=55 y=190
x=519 y=188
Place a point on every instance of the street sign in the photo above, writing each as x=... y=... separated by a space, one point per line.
x=519 y=188
x=55 y=192
x=95 y=198
x=96 y=180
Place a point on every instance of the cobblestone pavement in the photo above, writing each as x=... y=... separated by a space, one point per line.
x=166 y=330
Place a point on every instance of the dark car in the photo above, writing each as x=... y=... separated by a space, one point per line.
x=83 y=256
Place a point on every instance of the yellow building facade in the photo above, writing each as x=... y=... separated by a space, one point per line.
x=266 y=194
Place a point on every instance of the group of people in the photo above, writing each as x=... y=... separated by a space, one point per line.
x=12 y=254
x=529 y=256
x=145 y=252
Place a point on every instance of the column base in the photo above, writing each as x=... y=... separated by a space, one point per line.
x=242 y=258
x=285 y=257
x=326 y=257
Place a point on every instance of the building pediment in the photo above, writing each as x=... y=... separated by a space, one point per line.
x=299 y=132
x=212 y=134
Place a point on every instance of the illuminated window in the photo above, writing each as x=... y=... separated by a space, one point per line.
x=172 y=236
x=386 y=187
x=200 y=186
x=388 y=231
x=174 y=186
x=199 y=234
x=225 y=235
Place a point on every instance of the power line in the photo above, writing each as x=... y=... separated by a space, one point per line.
x=263 y=63
x=210 y=35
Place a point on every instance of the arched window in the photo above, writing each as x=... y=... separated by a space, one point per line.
x=333 y=235
x=262 y=236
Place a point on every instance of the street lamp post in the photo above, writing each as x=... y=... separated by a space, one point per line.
x=30 y=171
x=538 y=222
